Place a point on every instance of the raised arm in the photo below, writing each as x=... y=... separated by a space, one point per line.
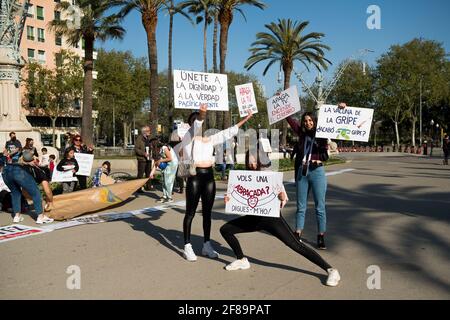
x=225 y=135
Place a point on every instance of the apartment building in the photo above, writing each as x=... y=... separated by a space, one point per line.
x=42 y=45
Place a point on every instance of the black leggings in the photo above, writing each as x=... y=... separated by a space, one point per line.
x=200 y=186
x=277 y=227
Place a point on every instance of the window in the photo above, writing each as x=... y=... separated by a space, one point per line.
x=31 y=53
x=40 y=13
x=57 y=15
x=58 y=39
x=58 y=59
x=30 y=11
x=41 y=36
x=30 y=33
x=41 y=55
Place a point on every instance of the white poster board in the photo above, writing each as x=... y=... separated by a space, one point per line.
x=254 y=193
x=3 y=185
x=85 y=162
x=245 y=96
x=17 y=231
x=265 y=143
x=63 y=176
x=350 y=124
x=182 y=129
x=191 y=89
x=283 y=105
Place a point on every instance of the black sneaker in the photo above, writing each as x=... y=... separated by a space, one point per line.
x=321 y=242
x=298 y=236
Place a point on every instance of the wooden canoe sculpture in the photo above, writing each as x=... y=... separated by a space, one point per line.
x=71 y=205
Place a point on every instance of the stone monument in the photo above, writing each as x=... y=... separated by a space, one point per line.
x=12 y=22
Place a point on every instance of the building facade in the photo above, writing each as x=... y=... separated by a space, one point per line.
x=40 y=44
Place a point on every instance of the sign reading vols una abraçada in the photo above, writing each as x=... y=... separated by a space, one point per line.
x=283 y=105
x=350 y=124
x=191 y=89
x=254 y=193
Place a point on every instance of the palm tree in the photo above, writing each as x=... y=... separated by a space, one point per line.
x=204 y=12
x=94 y=25
x=285 y=45
x=226 y=14
x=172 y=9
x=149 y=10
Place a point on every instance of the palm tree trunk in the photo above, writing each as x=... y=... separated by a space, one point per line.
x=216 y=29
x=205 y=42
x=169 y=73
x=150 y=21
x=287 y=83
x=225 y=21
x=213 y=116
x=86 y=120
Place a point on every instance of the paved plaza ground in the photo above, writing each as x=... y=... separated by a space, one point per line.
x=390 y=211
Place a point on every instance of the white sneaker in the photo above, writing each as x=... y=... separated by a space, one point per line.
x=241 y=264
x=169 y=200
x=17 y=218
x=209 y=251
x=189 y=254
x=44 y=220
x=333 y=277
x=162 y=200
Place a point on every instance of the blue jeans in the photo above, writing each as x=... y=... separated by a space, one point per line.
x=315 y=181
x=17 y=179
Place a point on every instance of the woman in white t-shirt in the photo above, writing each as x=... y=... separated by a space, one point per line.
x=200 y=149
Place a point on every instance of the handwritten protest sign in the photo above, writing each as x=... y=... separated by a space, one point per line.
x=17 y=231
x=283 y=105
x=63 y=176
x=85 y=162
x=194 y=88
x=254 y=193
x=182 y=129
x=245 y=96
x=350 y=124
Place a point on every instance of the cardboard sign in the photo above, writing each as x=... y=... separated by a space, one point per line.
x=254 y=193
x=191 y=89
x=182 y=129
x=283 y=105
x=85 y=162
x=265 y=143
x=17 y=231
x=245 y=96
x=3 y=185
x=350 y=124
x=63 y=176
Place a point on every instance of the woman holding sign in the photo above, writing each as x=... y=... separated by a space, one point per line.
x=79 y=147
x=309 y=163
x=199 y=150
x=278 y=227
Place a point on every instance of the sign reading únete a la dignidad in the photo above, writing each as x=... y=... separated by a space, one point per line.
x=283 y=105
x=245 y=96
x=254 y=193
x=350 y=124
x=191 y=89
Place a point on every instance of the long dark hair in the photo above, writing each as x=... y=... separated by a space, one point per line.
x=108 y=165
x=302 y=123
x=192 y=117
x=66 y=152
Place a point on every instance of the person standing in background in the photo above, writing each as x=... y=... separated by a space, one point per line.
x=14 y=148
x=142 y=151
x=445 y=148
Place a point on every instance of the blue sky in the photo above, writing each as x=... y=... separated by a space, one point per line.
x=342 y=21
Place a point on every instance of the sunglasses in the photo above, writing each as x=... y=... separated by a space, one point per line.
x=77 y=140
